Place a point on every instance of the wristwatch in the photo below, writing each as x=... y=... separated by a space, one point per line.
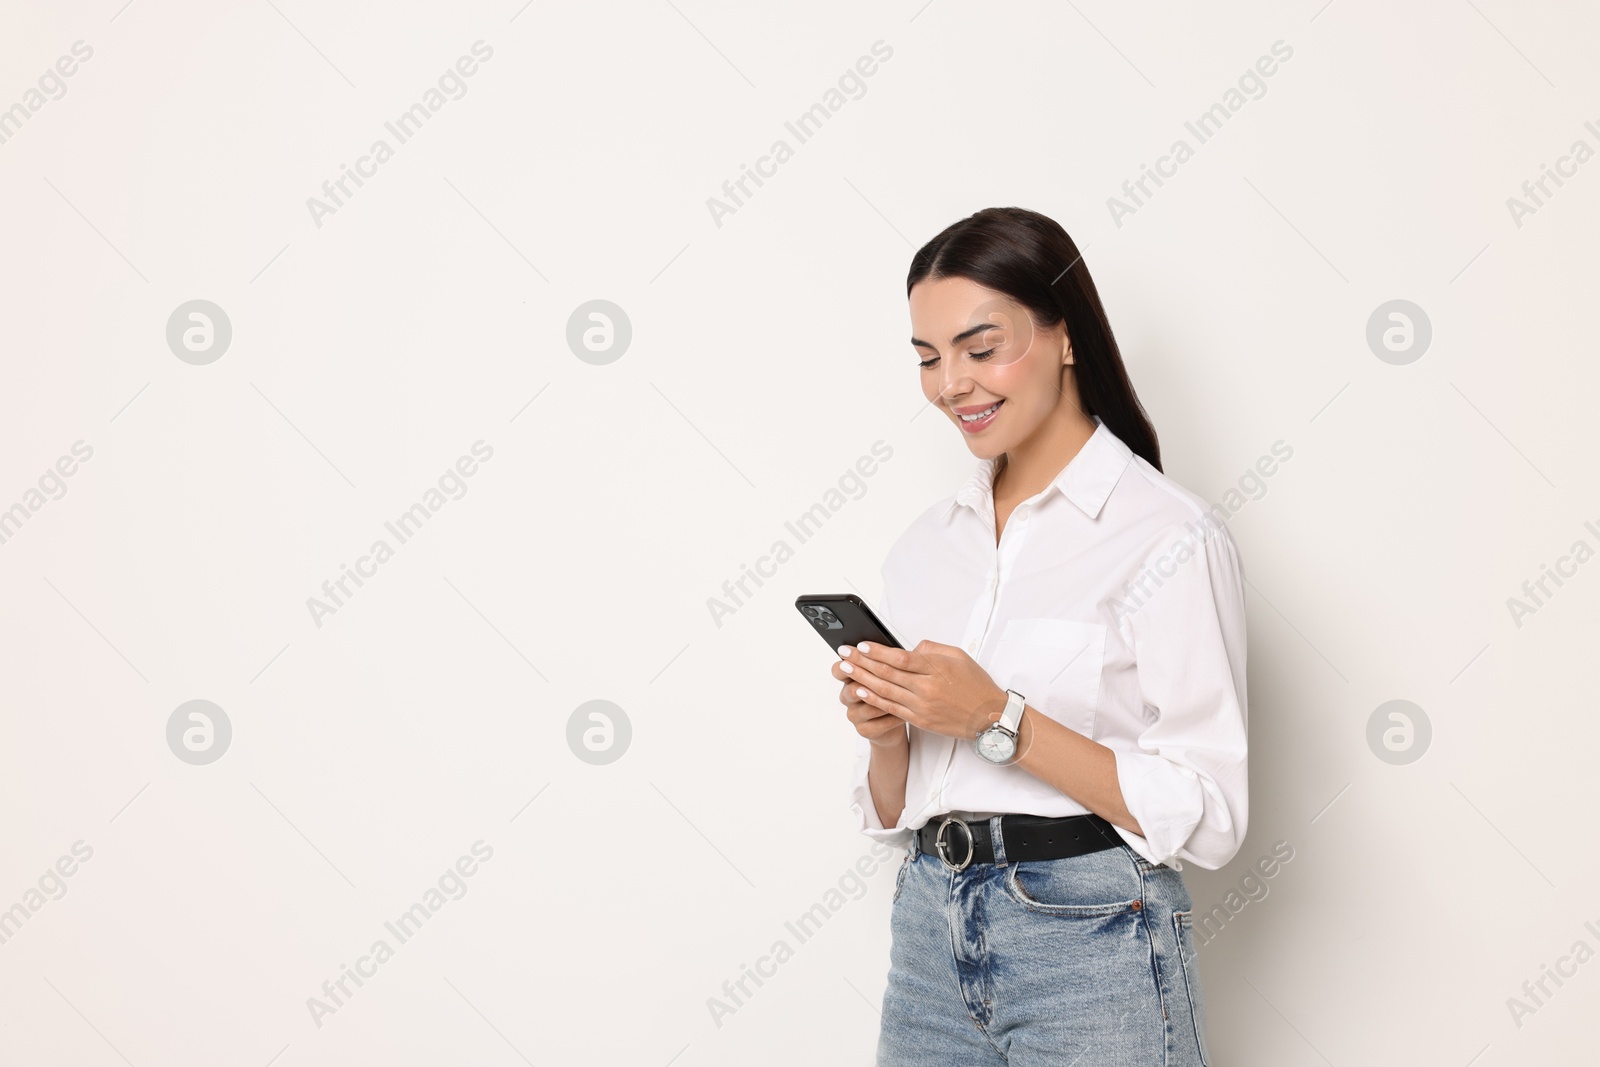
x=998 y=743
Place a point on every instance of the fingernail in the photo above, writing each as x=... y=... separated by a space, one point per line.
x=847 y=668
x=866 y=646
x=862 y=693
x=844 y=650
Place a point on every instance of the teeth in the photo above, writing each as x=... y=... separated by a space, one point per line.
x=985 y=413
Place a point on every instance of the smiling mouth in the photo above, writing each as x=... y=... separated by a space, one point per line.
x=979 y=419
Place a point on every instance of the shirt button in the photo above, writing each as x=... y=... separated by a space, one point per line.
x=973 y=648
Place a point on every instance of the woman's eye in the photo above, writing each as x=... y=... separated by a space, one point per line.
x=926 y=363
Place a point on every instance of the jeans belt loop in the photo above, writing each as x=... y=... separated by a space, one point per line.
x=997 y=840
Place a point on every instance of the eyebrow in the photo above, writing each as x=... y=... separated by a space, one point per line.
x=963 y=335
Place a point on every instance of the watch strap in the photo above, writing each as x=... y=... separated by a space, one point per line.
x=1013 y=713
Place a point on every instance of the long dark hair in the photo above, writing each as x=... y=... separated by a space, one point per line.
x=1030 y=258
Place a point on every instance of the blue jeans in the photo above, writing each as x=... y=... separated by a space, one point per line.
x=1087 y=961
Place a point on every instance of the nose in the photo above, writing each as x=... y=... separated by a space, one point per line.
x=954 y=380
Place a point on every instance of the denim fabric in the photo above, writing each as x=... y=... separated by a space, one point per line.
x=1087 y=961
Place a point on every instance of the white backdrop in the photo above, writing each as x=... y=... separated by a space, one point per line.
x=177 y=500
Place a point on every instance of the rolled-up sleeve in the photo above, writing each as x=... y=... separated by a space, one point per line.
x=1186 y=781
x=866 y=811
x=860 y=792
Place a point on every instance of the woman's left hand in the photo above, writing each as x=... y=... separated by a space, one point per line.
x=934 y=687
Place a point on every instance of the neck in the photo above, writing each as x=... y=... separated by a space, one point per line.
x=1034 y=463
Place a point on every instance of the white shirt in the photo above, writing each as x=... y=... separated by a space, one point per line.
x=1114 y=603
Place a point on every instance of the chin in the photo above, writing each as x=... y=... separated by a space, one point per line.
x=985 y=449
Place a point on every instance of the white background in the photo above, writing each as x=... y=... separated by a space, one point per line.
x=768 y=354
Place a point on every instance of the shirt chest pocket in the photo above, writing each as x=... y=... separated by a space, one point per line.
x=1055 y=664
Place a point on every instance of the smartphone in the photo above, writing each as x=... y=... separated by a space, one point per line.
x=844 y=619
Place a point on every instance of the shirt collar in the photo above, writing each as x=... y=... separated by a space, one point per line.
x=1086 y=480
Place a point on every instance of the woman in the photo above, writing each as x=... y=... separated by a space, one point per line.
x=1066 y=724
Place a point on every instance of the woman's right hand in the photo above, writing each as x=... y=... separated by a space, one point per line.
x=876 y=725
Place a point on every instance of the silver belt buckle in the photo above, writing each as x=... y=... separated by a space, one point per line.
x=940 y=848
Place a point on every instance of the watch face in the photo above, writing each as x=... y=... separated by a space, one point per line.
x=995 y=746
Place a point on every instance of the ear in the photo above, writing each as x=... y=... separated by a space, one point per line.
x=1066 y=350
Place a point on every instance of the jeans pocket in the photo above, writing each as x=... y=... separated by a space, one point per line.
x=1182 y=922
x=900 y=878
x=1090 y=886
x=1144 y=865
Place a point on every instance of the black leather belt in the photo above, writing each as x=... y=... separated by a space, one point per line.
x=1024 y=837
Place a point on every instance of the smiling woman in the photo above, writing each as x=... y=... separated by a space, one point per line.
x=1049 y=762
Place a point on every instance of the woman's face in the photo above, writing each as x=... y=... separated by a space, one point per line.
x=981 y=350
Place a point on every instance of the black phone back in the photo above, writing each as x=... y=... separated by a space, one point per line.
x=844 y=619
